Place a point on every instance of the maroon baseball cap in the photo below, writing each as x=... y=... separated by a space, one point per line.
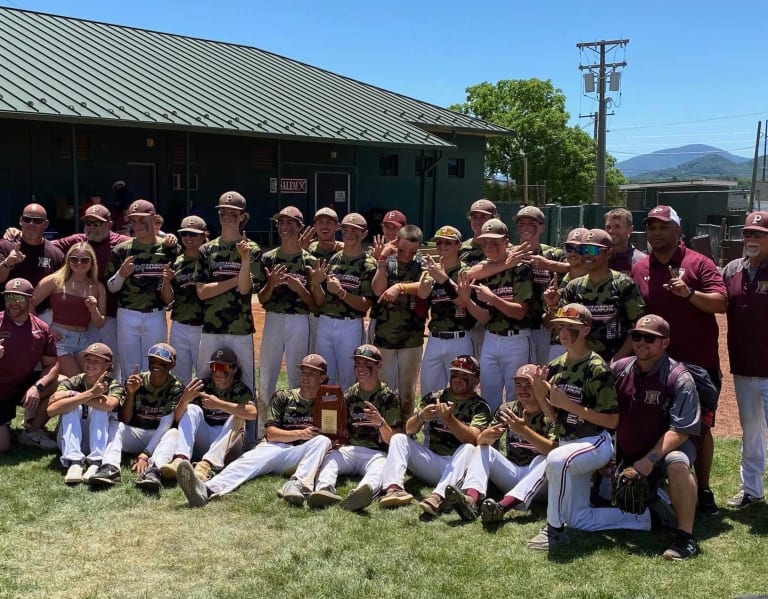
x=483 y=206
x=141 y=208
x=530 y=212
x=354 y=219
x=650 y=323
x=231 y=199
x=193 y=224
x=329 y=212
x=100 y=350
x=493 y=229
x=665 y=214
x=20 y=286
x=315 y=362
x=290 y=212
x=577 y=235
x=599 y=237
x=526 y=372
x=99 y=212
x=756 y=221
x=396 y=217
x=368 y=352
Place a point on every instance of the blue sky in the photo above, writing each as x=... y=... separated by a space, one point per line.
x=695 y=70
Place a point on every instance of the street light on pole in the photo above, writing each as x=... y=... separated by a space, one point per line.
x=525 y=176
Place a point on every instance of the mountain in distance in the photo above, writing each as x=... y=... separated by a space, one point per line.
x=709 y=166
x=674 y=157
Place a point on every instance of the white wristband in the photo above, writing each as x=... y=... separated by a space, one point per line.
x=115 y=284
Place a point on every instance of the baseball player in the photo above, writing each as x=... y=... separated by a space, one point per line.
x=656 y=417
x=228 y=272
x=292 y=442
x=135 y=274
x=580 y=399
x=84 y=402
x=342 y=287
x=211 y=418
x=449 y=323
x=451 y=420
x=373 y=417
x=521 y=474
x=145 y=417
x=179 y=291
x=287 y=300
x=746 y=280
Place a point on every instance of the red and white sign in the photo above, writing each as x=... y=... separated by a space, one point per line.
x=288 y=185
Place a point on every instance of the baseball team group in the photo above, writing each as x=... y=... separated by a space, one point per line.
x=575 y=375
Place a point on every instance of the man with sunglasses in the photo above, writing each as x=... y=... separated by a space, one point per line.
x=685 y=288
x=292 y=443
x=658 y=412
x=31 y=256
x=451 y=420
x=747 y=282
x=210 y=423
x=25 y=340
x=611 y=297
x=135 y=275
x=146 y=416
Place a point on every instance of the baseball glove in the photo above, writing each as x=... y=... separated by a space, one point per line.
x=630 y=491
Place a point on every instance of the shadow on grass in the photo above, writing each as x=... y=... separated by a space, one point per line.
x=755 y=517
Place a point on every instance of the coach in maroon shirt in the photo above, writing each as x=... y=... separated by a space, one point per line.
x=685 y=288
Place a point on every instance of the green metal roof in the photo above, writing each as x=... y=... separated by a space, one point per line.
x=65 y=69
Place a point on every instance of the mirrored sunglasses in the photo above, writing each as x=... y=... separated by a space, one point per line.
x=161 y=352
x=589 y=250
x=464 y=364
x=38 y=220
x=571 y=247
x=222 y=367
x=15 y=297
x=569 y=313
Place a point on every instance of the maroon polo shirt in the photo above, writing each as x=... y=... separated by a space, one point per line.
x=747 y=318
x=24 y=345
x=694 y=333
x=624 y=261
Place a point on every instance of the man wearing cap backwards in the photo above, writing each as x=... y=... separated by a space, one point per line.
x=25 y=340
x=228 y=272
x=451 y=420
x=521 y=473
x=580 y=398
x=145 y=419
x=618 y=224
x=502 y=306
x=373 y=414
x=84 y=403
x=179 y=291
x=211 y=421
x=449 y=323
x=287 y=300
x=342 y=288
x=747 y=282
x=685 y=288
x=400 y=316
x=611 y=297
x=135 y=275
x=291 y=442
x=658 y=411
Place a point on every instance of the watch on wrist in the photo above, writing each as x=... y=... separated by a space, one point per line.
x=39 y=386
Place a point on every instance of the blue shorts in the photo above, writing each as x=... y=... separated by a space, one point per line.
x=71 y=342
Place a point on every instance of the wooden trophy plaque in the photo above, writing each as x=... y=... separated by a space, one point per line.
x=330 y=414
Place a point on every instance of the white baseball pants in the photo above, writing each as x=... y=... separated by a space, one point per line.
x=136 y=333
x=752 y=398
x=185 y=339
x=352 y=459
x=499 y=360
x=337 y=340
x=435 y=365
x=197 y=438
x=78 y=435
x=158 y=443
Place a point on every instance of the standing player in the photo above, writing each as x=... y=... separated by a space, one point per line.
x=85 y=402
x=292 y=442
x=747 y=282
x=479 y=212
x=686 y=289
x=618 y=224
x=373 y=417
x=451 y=420
x=342 y=288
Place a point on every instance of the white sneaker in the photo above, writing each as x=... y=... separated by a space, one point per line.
x=92 y=469
x=74 y=474
x=37 y=439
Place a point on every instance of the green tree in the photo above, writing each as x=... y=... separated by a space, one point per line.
x=560 y=157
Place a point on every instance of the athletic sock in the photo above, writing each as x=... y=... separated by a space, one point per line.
x=474 y=494
x=508 y=502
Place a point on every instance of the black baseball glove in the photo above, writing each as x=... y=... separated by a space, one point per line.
x=630 y=491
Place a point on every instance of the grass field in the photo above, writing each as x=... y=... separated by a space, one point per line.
x=74 y=542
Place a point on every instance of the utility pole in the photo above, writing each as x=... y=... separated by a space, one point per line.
x=601 y=48
x=753 y=187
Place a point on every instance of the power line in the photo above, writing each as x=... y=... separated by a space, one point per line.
x=715 y=118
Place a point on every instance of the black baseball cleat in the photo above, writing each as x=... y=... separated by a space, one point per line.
x=464 y=504
x=106 y=476
x=707 y=505
x=150 y=480
x=491 y=511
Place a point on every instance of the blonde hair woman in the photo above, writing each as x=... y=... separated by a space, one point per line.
x=78 y=302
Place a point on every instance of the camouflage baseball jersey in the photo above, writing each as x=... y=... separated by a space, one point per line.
x=289 y=411
x=77 y=383
x=615 y=305
x=589 y=382
x=562 y=282
x=324 y=254
x=442 y=312
x=520 y=451
x=471 y=253
x=141 y=291
x=473 y=412
x=238 y=394
x=388 y=404
x=151 y=404
x=397 y=324
x=355 y=275
x=541 y=280
x=512 y=285
x=228 y=313
x=283 y=300
x=187 y=308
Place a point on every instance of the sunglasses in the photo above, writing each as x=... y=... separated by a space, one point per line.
x=162 y=353
x=38 y=220
x=753 y=234
x=222 y=367
x=647 y=337
x=464 y=363
x=15 y=297
x=589 y=250
x=79 y=259
x=569 y=313
x=571 y=247
x=189 y=234
x=93 y=223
